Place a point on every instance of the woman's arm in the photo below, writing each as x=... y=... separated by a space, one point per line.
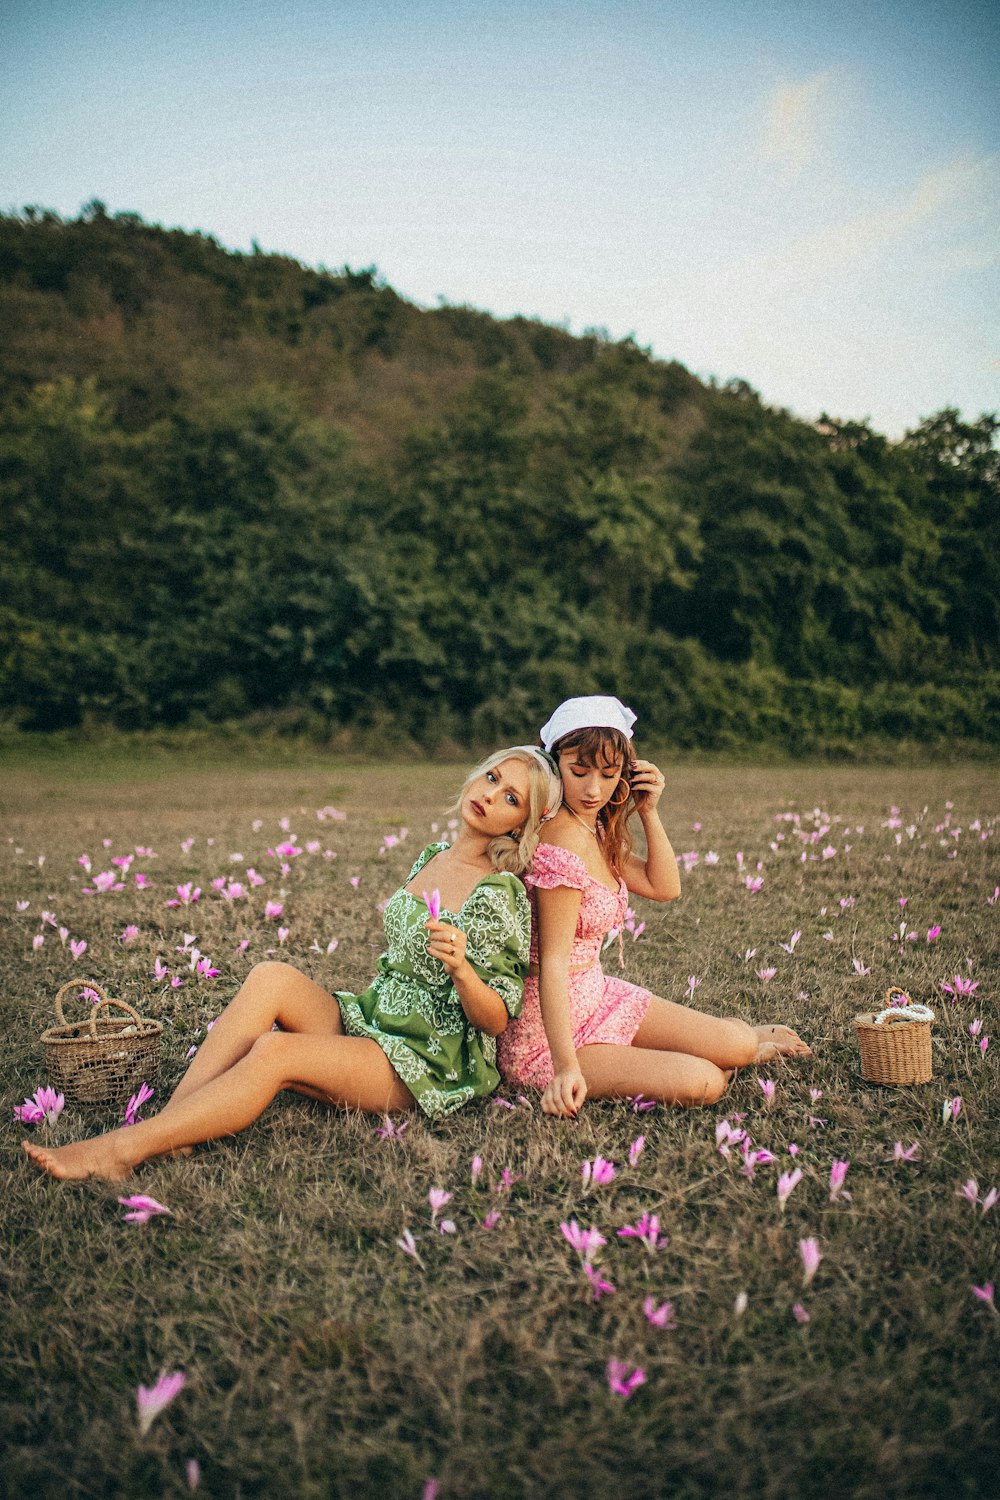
x=558 y=911
x=483 y=1007
x=657 y=876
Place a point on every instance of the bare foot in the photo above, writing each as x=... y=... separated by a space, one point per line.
x=779 y=1041
x=99 y=1157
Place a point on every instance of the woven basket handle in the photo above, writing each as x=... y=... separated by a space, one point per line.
x=121 y=1004
x=894 y=989
x=76 y=984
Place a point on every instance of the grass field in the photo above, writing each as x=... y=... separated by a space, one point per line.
x=322 y=1360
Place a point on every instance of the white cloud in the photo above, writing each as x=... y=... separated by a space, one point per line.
x=796 y=119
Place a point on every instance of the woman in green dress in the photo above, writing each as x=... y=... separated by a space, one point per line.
x=422 y=1035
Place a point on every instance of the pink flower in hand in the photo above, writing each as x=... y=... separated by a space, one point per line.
x=433 y=903
x=151 y=1402
x=624 y=1379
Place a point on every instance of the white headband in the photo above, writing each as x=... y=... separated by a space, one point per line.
x=587 y=713
x=555 y=794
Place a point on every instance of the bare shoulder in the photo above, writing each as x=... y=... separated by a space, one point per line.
x=563 y=833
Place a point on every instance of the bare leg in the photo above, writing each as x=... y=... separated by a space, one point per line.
x=615 y=1072
x=352 y=1072
x=271 y=992
x=726 y=1041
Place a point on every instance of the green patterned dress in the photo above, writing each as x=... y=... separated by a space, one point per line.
x=412 y=1010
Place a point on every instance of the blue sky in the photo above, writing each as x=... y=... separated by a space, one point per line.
x=803 y=196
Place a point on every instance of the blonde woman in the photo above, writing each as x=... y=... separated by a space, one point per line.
x=423 y=1035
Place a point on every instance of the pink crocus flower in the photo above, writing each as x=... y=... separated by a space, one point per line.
x=753 y=883
x=811 y=1257
x=727 y=1135
x=975 y=1027
x=787 y=1183
x=951 y=1109
x=985 y=1294
x=192 y=1472
x=933 y=933
x=767 y=1087
x=390 y=1131
x=160 y=970
x=799 y=1313
x=598 y=1285
x=273 y=910
x=37 y=941
x=149 y=1403
x=659 y=1317
x=789 y=947
x=507 y=1179
x=492 y=1219
x=132 y=1108
x=646 y=1229
x=958 y=987
x=408 y=1245
x=142 y=882
x=141 y=1208
x=838 y=1171
x=78 y=948
x=45 y=1104
x=640 y=1104
x=859 y=966
x=437 y=1198
x=475 y=1168
x=187 y=894
x=598 y=1172
x=636 y=1149
x=765 y=975
x=624 y=1379
x=432 y=900
x=129 y=935
x=586 y=1242
x=911 y=1152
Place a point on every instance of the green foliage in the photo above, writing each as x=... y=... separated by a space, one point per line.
x=230 y=484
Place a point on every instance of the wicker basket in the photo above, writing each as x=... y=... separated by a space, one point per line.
x=103 y=1059
x=895 y=1049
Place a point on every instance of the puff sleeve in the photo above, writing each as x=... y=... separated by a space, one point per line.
x=553 y=866
x=498 y=925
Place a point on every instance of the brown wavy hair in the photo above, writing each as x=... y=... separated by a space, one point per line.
x=602 y=748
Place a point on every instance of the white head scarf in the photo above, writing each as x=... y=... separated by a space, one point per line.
x=587 y=713
x=554 y=799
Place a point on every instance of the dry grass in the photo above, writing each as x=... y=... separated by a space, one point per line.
x=321 y=1361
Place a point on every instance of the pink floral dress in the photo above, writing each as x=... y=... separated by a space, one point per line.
x=601 y=1009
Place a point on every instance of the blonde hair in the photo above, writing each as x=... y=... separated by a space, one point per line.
x=510 y=852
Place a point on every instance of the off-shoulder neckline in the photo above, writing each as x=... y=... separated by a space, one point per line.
x=611 y=890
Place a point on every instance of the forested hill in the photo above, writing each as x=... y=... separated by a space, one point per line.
x=233 y=486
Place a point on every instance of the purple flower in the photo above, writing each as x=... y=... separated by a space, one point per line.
x=933 y=933
x=599 y=1172
x=142 y=1209
x=659 y=1317
x=985 y=1294
x=389 y=1131
x=437 y=1198
x=45 y=1104
x=799 y=1313
x=492 y=1219
x=273 y=910
x=132 y=1108
x=636 y=1149
x=598 y=1285
x=432 y=901
x=624 y=1379
x=475 y=1168
x=911 y=1153
x=767 y=1088
x=787 y=1183
x=951 y=1109
x=586 y=1242
x=151 y=1402
x=811 y=1257
x=838 y=1171
x=408 y=1245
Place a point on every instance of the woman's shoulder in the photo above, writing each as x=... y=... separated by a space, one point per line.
x=423 y=857
x=558 y=863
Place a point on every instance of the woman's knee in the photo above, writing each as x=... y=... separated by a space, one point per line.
x=272 y=973
x=704 y=1084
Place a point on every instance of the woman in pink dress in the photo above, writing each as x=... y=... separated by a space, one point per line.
x=582 y=1033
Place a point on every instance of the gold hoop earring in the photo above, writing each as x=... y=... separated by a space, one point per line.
x=622 y=801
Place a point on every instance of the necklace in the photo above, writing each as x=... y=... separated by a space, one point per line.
x=580 y=820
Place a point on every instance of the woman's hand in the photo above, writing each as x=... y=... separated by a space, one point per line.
x=565 y=1094
x=648 y=782
x=447 y=943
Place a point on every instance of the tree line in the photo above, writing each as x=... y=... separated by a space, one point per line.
x=233 y=487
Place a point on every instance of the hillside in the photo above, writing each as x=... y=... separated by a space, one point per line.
x=231 y=485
